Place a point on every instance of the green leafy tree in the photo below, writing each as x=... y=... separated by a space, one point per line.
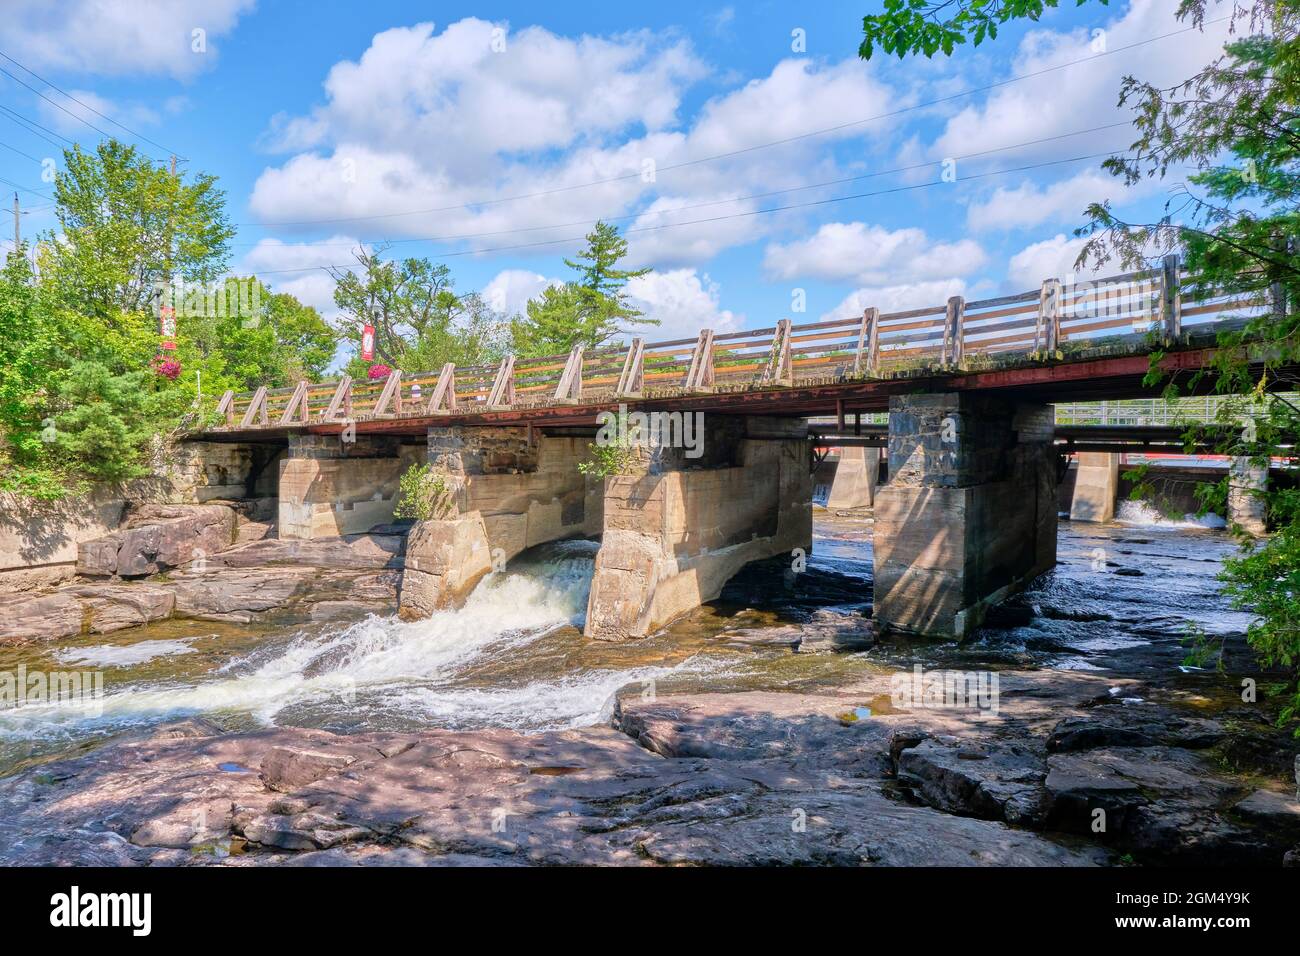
x=280 y=343
x=588 y=311
x=917 y=26
x=420 y=321
x=128 y=227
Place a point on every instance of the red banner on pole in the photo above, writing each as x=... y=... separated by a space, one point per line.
x=368 y=343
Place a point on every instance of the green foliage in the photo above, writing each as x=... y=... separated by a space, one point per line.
x=608 y=460
x=1266 y=581
x=108 y=423
x=420 y=321
x=615 y=452
x=918 y=26
x=79 y=399
x=588 y=311
x=127 y=227
x=423 y=494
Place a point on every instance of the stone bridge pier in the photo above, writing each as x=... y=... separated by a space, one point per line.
x=678 y=528
x=969 y=514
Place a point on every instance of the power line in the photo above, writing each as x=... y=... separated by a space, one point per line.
x=60 y=106
x=739 y=215
x=747 y=149
x=80 y=103
x=26 y=124
x=714 y=202
x=21 y=153
x=34 y=192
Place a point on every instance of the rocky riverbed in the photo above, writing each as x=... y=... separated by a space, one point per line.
x=1083 y=740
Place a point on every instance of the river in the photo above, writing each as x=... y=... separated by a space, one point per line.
x=514 y=655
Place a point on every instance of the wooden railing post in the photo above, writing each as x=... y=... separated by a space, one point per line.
x=256 y=409
x=226 y=407
x=570 y=385
x=866 y=336
x=1171 y=299
x=631 y=381
x=873 y=344
x=1048 y=327
x=952 y=330
x=778 y=369
x=341 y=401
x=299 y=398
x=700 y=372
x=444 y=393
x=392 y=393
x=503 y=387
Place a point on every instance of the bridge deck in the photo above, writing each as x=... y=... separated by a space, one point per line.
x=1059 y=343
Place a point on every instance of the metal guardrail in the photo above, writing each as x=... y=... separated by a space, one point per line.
x=1050 y=322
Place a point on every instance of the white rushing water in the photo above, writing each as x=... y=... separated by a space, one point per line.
x=383 y=672
x=1140 y=514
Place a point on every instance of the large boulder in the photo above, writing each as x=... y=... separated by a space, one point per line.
x=238 y=594
x=157 y=538
x=444 y=561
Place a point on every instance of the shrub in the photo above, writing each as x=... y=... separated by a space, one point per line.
x=423 y=494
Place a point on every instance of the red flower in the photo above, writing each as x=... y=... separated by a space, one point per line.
x=378 y=371
x=168 y=368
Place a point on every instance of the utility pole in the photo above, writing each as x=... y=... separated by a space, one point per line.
x=18 y=233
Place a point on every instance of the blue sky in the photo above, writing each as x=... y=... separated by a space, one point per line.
x=330 y=124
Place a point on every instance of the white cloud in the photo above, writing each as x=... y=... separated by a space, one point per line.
x=897 y=298
x=510 y=290
x=1029 y=205
x=1081 y=96
x=309 y=282
x=535 y=125
x=1050 y=259
x=98 y=37
x=684 y=301
x=93 y=112
x=871 y=255
x=699 y=242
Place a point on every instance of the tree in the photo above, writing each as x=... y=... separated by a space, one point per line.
x=128 y=227
x=420 y=321
x=587 y=311
x=80 y=391
x=281 y=342
x=1236 y=124
x=914 y=26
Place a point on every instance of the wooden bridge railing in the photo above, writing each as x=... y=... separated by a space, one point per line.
x=1057 y=317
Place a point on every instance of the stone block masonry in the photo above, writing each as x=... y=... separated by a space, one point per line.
x=672 y=538
x=969 y=514
x=330 y=487
x=510 y=490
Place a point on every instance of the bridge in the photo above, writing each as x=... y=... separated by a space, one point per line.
x=967 y=517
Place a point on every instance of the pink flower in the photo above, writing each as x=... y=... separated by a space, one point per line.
x=379 y=371
x=168 y=369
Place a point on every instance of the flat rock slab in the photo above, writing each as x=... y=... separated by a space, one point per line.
x=1125 y=727
x=191 y=795
x=995 y=782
